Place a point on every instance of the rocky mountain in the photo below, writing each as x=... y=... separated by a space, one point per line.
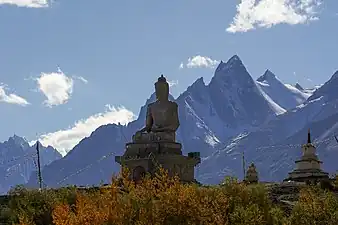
x=235 y=94
x=328 y=91
x=230 y=104
x=285 y=95
x=231 y=114
x=276 y=145
x=209 y=115
x=17 y=161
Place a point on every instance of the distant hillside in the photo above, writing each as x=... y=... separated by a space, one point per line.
x=17 y=161
x=212 y=116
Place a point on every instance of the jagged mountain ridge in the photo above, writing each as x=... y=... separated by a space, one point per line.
x=286 y=96
x=17 y=161
x=274 y=162
x=233 y=92
x=209 y=116
x=328 y=90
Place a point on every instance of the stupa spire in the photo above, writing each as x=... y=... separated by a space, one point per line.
x=309 y=137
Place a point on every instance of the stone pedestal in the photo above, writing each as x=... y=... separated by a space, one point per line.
x=142 y=158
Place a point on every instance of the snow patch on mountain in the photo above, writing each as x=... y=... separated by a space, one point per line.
x=209 y=116
x=328 y=90
x=232 y=114
x=276 y=108
x=284 y=95
x=275 y=145
x=235 y=96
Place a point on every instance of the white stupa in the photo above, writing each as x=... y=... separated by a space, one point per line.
x=308 y=167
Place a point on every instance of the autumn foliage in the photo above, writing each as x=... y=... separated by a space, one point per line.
x=164 y=200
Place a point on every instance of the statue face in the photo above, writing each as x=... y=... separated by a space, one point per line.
x=162 y=91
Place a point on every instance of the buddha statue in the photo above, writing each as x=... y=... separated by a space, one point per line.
x=162 y=117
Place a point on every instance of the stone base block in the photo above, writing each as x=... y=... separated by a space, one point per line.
x=175 y=164
x=308 y=175
x=156 y=148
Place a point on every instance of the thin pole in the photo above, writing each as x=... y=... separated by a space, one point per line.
x=39 y=165
x=243 y=164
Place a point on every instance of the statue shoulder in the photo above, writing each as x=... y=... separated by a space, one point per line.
x=150 y=105
x=173 y=104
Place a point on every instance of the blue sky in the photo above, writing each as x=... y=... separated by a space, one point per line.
x=68 y=66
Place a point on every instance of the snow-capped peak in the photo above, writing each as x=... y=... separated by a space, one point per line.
x=286 y=96
x=197 y=85
x=328 y=90
x=210 y=115
x=17 y=138
x=233 y=62
x=268 y=76
x=19 y=141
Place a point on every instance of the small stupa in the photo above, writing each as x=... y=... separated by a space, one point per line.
x=251 y=174
x=308 y=167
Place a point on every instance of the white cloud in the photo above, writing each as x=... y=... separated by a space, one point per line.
x=172 y=83
x=201 y=61
x=26 y=3
x=57 y=87
x=267 y=13
x=181 y=66
x=11 y=98
x=81 y=79
x=65 y=140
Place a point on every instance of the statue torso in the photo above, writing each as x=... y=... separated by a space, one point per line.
x=162 y=113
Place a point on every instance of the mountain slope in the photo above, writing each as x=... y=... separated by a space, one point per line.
x=235 y=96
x=286 y=96
x=260 y=145
x=209 y=115
x=322 y=133
x=328 y=90
x=230 y=114
x=18 y=161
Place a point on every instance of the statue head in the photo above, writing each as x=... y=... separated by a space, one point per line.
x=162 y=88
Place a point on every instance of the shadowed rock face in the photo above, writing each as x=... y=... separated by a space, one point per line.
x=286 y=96
x=18 y=161
x=219 y=120
x=299 y=87
x=275 y=146
x=204 y=126
x=234 y=95
x=328 y=90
